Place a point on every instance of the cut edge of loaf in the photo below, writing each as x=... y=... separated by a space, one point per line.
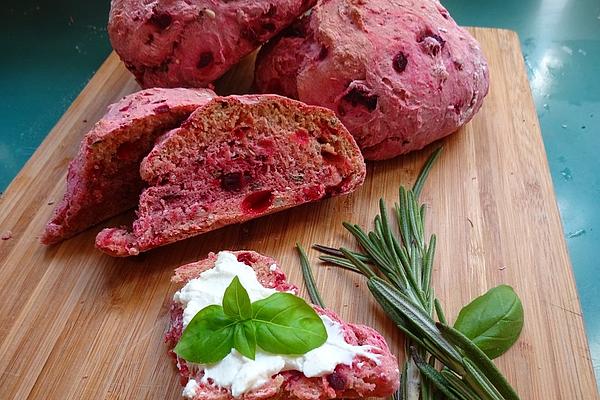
x=103 y=179
x=235 y=159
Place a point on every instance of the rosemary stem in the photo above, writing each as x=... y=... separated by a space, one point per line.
x=398 y=263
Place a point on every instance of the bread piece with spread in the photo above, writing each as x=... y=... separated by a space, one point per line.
x=353 y=362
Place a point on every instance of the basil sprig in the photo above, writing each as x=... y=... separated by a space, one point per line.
x=280 y=324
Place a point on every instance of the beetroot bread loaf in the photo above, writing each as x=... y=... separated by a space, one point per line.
x=103 y=179
x=400 y=74
x=234 y=159
x=174 y=43
x=373 y=374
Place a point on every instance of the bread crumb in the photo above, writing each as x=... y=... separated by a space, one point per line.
x=209 y=13
x=7 y=235
x=328 y=148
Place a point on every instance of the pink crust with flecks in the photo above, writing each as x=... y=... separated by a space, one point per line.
x=400 y=74
x=103 y=179
x=235 y=159
x=192 y=43
x=364 y=378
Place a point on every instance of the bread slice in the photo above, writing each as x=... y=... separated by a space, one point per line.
x=237 y=158
x=103 y=179
x=364 y=378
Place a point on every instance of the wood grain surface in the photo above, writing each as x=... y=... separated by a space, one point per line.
x=77 y=324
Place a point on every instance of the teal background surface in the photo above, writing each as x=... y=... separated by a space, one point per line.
x=50 y=49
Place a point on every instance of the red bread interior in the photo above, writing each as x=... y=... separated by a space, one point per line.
x=235 y=159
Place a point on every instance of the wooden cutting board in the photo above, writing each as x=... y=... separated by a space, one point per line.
x=77 y=324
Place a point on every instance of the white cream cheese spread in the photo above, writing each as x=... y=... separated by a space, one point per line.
x=189 y=391
x=242 y=374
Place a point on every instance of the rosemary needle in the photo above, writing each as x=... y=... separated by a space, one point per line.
x=309 y=279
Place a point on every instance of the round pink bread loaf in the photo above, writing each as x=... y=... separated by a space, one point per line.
x=191 y=43
x=400 y=74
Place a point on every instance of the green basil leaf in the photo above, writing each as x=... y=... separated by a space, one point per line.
x=208 y=338
x=286 y=324
x=492 y=321
x=244 y=339
x=236 y=302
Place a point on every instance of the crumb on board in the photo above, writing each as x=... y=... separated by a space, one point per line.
x=7 y=235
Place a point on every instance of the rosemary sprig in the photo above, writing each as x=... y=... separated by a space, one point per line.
x=309 y=279
x=442 y=362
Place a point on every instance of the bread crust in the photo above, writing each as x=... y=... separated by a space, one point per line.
x=399 y=74
x=182 y=43
x=364 y=378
